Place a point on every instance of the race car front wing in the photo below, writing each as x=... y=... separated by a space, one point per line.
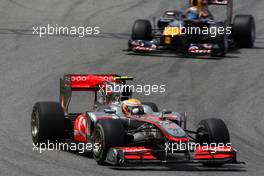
x=141 y=155
x=145 y=46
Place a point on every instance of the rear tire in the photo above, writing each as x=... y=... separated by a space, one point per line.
x=244 y=31
x=108 y=133
x=47 y=122
x=142 y=30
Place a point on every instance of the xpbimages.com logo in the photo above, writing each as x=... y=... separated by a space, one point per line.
x=212 y=31
x=79 y=31
x=146 y=89
x=191 y=146
x=60 y=146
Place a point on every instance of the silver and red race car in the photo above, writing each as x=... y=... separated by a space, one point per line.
x=147 y=136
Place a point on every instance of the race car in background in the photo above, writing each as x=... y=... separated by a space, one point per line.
x=166 y=34
x=145 y=137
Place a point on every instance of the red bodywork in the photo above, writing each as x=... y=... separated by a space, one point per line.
x=141 y=154
x=81 y=82
x=214 y=153
x=80 y=129
x=137 y=153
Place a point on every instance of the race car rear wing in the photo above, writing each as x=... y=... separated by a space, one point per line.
x=218 y=2
x=210 y=2
x=85 y=82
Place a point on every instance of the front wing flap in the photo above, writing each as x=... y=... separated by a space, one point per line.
x=134 y=155
x=144 y=46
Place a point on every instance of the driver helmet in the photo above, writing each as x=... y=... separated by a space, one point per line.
x=132 y=107
x=192 y=13
x=204 y=13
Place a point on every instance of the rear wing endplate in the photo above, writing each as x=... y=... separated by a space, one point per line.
x=85 y=82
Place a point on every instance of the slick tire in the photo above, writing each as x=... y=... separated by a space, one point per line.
x=47 y=122
x=108 y=133
x=244 y=31
x=212 y=131
x=142 y=30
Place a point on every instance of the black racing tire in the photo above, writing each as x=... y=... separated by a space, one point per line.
x=109 y=133
x=153 y=106
x=47 y=122
x=142 y=30
x=214 y=131
x=244 y=31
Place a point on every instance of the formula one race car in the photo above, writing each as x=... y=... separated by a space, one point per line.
x=194 y=32
x=127 y=131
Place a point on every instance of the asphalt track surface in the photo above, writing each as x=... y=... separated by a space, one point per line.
x=30 y=68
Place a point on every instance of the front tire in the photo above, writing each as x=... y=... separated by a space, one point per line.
x=142 y=30
x=47 y=122
x=107 y=134
x=212 y=131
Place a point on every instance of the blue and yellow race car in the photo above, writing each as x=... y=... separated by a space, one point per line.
x=194 y=31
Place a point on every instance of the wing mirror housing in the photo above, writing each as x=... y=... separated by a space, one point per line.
x=110 y=111
x=164 y=112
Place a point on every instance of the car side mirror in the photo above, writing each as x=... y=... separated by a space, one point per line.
x=170 y=13
x=110 y=111
x=165 y=111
